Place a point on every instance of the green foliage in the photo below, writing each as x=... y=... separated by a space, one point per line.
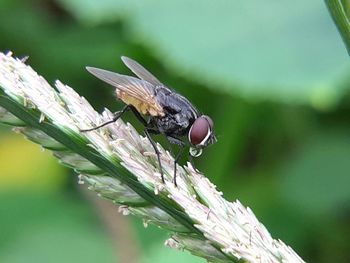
x=286 y=51
x=231 y=60
x=56 y=229
x=322 y=163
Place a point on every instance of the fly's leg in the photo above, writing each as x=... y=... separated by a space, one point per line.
x=190 y=157
x=138 y=116
x=179 y=154
x=147 y=131
x=157 y=153
x=115 y=118
x=174 y=140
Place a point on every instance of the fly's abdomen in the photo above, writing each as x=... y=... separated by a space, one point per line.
x=145 y=106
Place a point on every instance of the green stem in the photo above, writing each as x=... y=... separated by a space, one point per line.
x=337 y=10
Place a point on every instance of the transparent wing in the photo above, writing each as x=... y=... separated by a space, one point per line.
x=140 y=71
x=134 y=87
x=140 y=90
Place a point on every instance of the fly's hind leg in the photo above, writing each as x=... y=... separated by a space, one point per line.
x=117 y=115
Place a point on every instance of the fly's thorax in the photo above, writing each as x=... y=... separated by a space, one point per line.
x=174 y=103
x=172 y=124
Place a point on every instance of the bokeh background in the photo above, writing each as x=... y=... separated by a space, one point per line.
x=274 y=75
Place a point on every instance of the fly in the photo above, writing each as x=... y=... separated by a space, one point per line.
x=166 y=111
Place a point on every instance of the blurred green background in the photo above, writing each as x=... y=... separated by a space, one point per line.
x=274 y=76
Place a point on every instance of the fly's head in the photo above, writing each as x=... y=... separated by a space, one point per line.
x=201 y=135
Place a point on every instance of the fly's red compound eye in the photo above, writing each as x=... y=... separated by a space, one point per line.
x=210 y=121
x=200 y=131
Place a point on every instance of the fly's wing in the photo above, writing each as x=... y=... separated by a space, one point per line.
x=140 y=71
x=132 y=91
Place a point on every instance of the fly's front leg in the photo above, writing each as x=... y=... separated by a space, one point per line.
x=190 y=157
x=177 y=141
x=117 y=115
x=182 y=144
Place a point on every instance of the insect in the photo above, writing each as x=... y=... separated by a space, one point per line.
x=167 y=112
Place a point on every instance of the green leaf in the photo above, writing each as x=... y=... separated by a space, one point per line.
x=159 y=254
x=317 y=180
x=283 y=50
x=50 y=228
x=340 y=15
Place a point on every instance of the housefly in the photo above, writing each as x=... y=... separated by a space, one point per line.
x=161 y=110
